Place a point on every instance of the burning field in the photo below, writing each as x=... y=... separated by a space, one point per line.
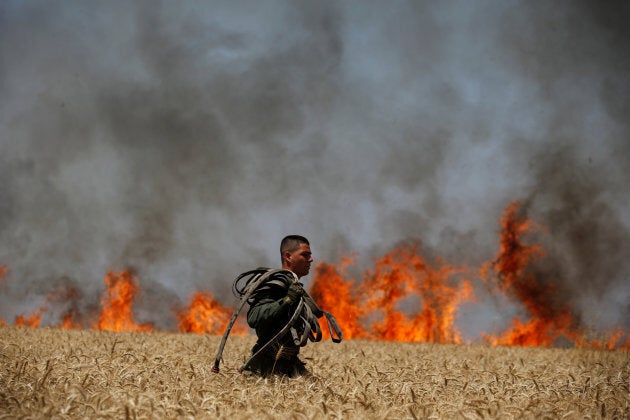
x=50 y=372
x=460 y=169
x=403 y=354
x=402 y=298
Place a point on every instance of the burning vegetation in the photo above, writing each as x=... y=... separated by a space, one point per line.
x=402 y=298
x=205 y=315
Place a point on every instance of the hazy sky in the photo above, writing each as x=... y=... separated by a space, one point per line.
x=185 y=139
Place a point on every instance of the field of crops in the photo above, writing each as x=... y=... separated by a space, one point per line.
x=50 y=372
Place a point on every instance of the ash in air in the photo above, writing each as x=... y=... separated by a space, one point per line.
x=183 y=141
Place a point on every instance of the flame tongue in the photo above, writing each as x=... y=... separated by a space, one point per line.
x=64 y=294
x=374 y=310
x=335 y=294
x=403 y=273
x=117 y=300
x=32 y=321
x=68 y=320
x=549 y=320
x=205 y=315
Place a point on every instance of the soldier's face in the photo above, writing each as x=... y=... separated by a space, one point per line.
x=299 y=261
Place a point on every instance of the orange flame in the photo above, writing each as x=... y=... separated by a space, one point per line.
x=609 y=342
x=404 y=299
x=68 y=320
x=334 y=294
x=376 y=309
x=549 y=321
x=204 y=315
x=31 y=321
x=3 y=271
x=401 y=298
x=403 y=272
x=116 y=313
x=34 y=319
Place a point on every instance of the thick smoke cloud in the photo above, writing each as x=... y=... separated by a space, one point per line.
x=185 y=140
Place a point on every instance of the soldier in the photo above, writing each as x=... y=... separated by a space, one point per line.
x=271 y=308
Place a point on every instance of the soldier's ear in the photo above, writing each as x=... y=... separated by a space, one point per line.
x=287 y=256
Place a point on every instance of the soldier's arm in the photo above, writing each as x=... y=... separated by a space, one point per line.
x=268 y=313
x=273 y=304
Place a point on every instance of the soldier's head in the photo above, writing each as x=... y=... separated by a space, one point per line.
x=295 y=252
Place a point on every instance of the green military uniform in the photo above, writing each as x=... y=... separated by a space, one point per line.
x=269 y=311
x=285 y=318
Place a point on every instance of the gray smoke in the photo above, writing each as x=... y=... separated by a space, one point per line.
x=184 y=140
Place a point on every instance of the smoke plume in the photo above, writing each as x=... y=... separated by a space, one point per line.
x=185 y=140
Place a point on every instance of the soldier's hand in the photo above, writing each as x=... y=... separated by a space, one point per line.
x=294 y=293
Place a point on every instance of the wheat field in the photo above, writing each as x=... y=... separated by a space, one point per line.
x=55 y=373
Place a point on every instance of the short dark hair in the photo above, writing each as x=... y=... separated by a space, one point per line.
x=291 y=243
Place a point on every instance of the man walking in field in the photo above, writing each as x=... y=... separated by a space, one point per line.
x=284 y=316
x=271 y=308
